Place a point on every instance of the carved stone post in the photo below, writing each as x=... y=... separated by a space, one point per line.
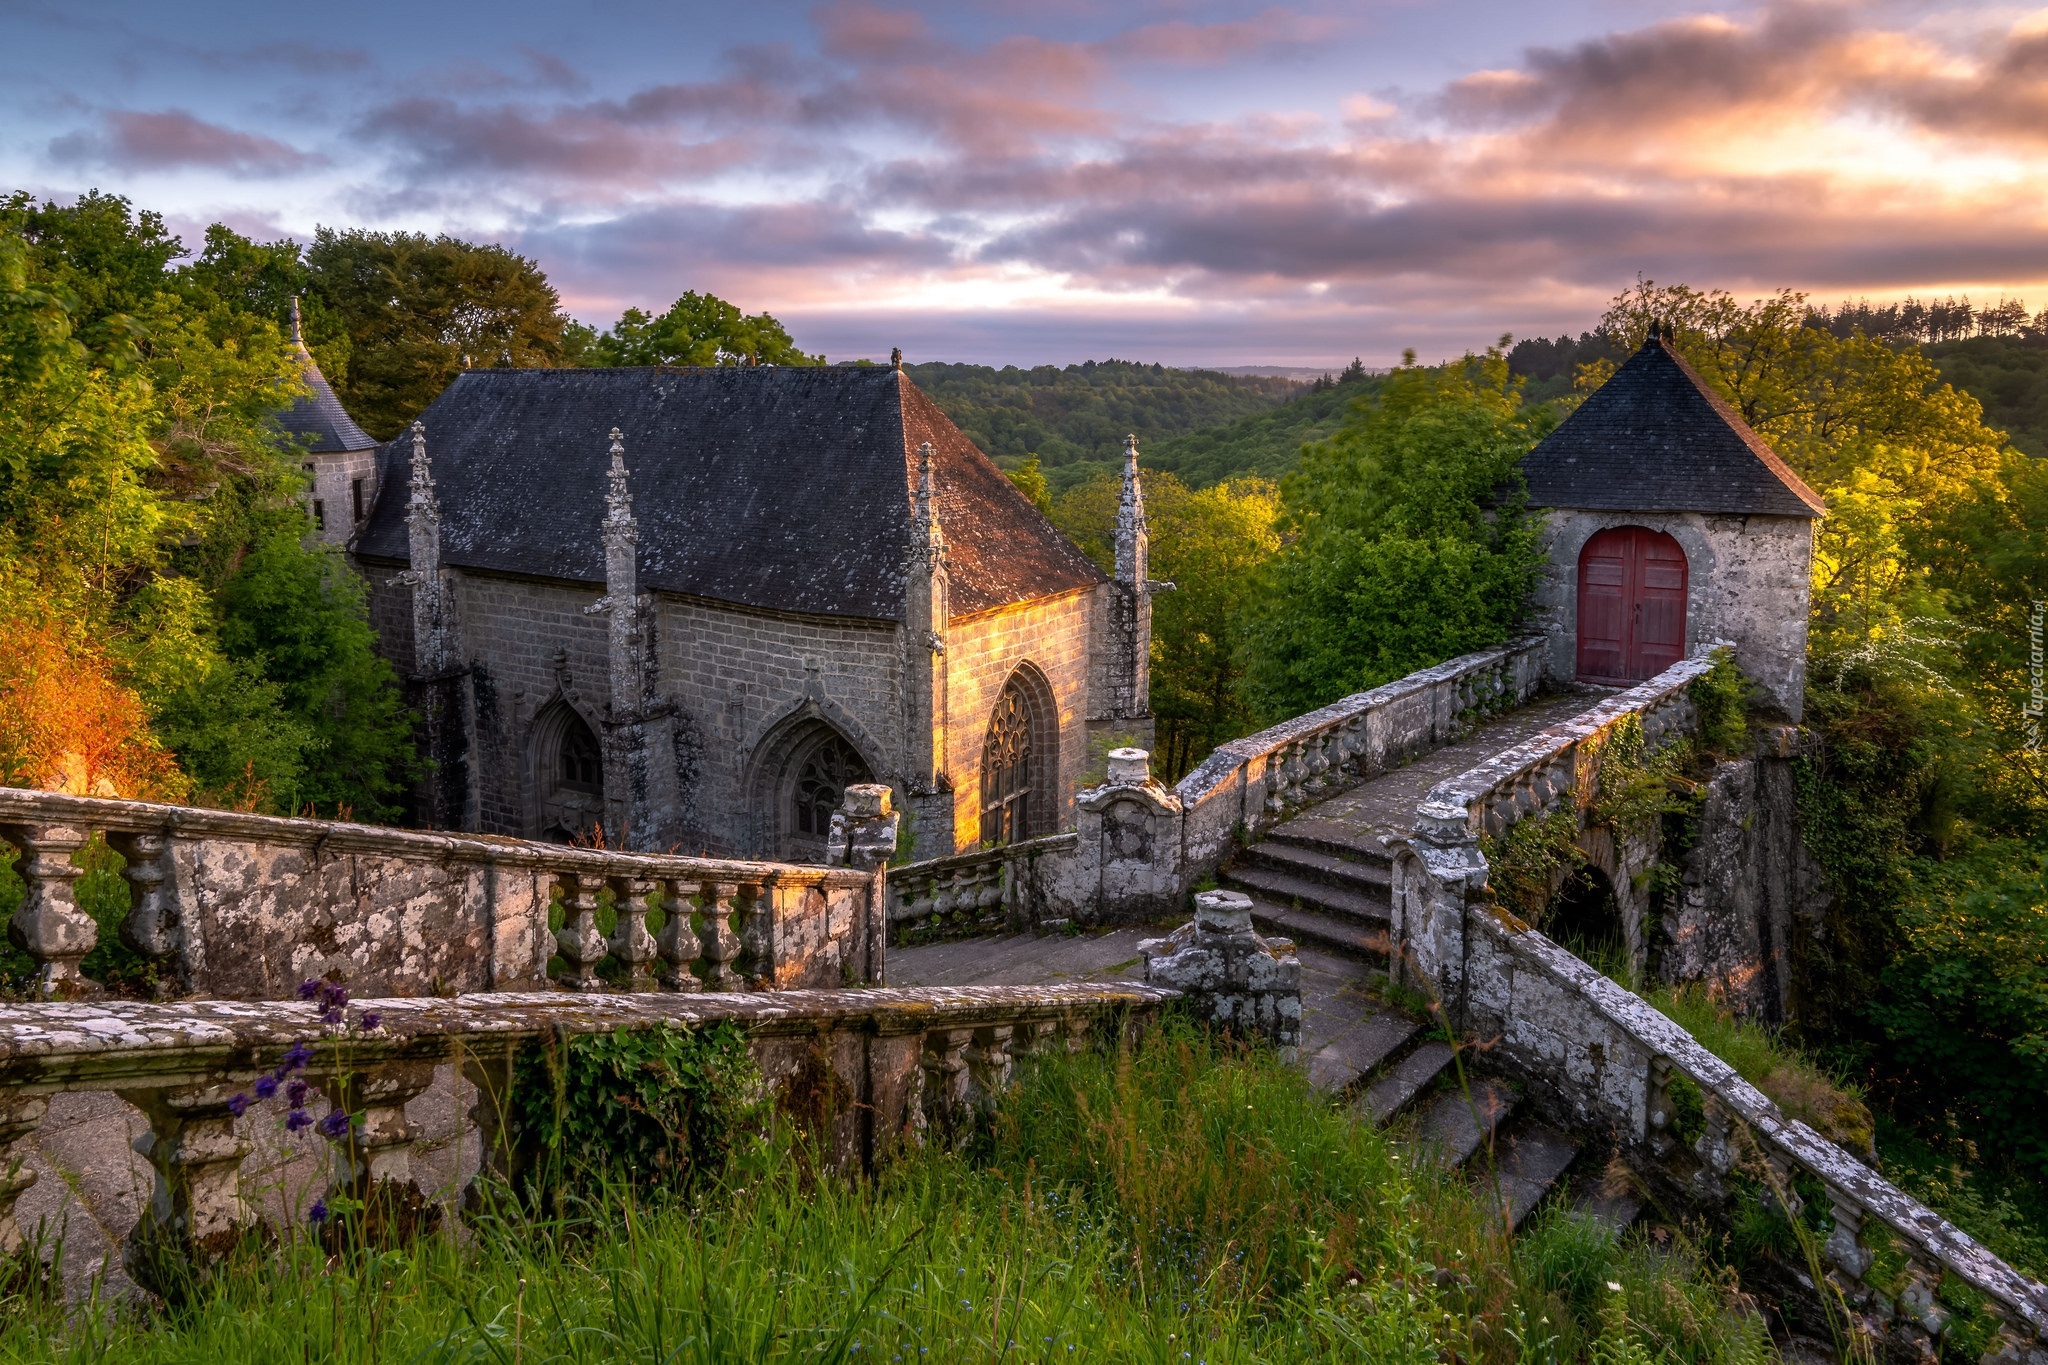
x=151 y=927
x=197 y=1211
x=757 y=938
x=864 y=828
x=373 y=1162
x=946 y=1108
x=678 y=941
x=721 y=944
x=630 y=943
x=1230 y=976
x=48 y=925
x=578 y=940
x=1845 y=1240
x=19 y=1116
x=989 y=1065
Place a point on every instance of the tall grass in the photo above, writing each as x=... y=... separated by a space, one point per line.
x=1180 y=1203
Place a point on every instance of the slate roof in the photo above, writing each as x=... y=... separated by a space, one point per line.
x=1656 y=438
x=318 y=419
x=776 y=487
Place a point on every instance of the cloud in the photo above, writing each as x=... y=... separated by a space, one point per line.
x=176 y=140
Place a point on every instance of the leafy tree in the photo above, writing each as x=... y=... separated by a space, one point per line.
x=417 y=311
x=1213 y=545
x=698 y=329
x=1408 y=541
x=1265 y=444
x=1030 y=481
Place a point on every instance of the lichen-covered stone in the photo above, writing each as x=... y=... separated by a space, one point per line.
x=1228 y=974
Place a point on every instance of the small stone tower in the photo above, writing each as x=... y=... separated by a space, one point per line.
x=1670 y=526
x=338 y=456
x=1122 y=696
x=927 y=612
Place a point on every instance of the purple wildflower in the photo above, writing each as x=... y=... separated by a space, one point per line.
x=238 y=1105
x=372 y=1020
x=296 y=1094
x=318 y=1213
x=308 y=988
x=297 y=1057
x=335 y=1124
x=297 y=1120
x=266 y=1086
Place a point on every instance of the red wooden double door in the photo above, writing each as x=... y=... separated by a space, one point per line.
x=1631 y=605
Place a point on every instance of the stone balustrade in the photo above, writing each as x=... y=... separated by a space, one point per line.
x=983 y=891
x=909 y=1061
x=1595 y=1057
x=235 y=906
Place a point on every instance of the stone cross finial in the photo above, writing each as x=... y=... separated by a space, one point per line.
x=423 y=575
x=298 y=339
x=621 y=600
x=895 y=357
x=618 y=521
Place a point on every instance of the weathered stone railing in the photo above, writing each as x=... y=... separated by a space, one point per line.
x=236 y=906
x=904 y=1060
x=1440 y=866
x=1596 y=1057
x=988 y=889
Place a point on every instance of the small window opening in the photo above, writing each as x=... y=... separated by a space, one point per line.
x=355 y=492
x=319 y=514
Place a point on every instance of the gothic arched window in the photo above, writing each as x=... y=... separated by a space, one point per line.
x=582 y=767
x=568 y=766
x=1006 y=769
x=822 y=777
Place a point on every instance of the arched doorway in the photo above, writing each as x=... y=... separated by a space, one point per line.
x=568 y=772
x=1019 y=763
x=1632 y=583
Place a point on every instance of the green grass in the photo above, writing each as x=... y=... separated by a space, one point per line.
x=1177 y=1204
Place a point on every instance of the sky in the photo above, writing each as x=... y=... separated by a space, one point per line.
x=1033 y=181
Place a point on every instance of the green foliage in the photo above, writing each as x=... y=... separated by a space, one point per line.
x=1409 y=539
x=1267 y=443
x=1721 y=697
x=1213 y=545
x=1075 y=419
x=415 y=312
x=1965 y=1001
x=1030 y=480
x=1526 y=865
x=655 y=1110
x=698 y=329
x=2009 y=376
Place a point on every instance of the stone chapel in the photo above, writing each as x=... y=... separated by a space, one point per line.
x=690 y=606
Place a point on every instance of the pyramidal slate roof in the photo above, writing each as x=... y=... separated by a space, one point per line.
x=775 y=487
x=1656 y=438
x=318 y=419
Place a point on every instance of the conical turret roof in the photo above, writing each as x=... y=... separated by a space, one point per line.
x=318 y=419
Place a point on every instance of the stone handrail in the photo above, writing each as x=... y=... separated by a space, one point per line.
x=1535 y=775
x=1249 y=784
x=908 y=1060
x=1595 y=1056
x=240 y=906
x=980 y=890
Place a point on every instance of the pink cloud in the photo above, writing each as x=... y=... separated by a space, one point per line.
x=175 y=140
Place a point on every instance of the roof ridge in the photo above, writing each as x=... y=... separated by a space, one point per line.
x=1757 y=444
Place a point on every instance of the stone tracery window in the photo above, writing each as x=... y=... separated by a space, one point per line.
x=582 y=767
x=1006 y=770
x=821 y=781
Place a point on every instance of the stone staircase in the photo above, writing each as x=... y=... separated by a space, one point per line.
x=1324 y=880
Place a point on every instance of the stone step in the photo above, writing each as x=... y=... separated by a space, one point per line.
x=1393 y=1092
x=1282 y=888
x=1358 y=1051
x=1457 y=1124
x=1528 y=1163
x=1333 y=837
x=1343 y=936
x=1369 y=879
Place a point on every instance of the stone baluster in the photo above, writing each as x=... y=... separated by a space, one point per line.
x=1658 y=1112
x=1845 y=1240
x=989 y=1064
x=678 y=942
x=48 y=924
x=1716 y=1147
x=578 y=940
x=19 y=1116
x=757 y=937
x=501 y=1159
x=1315 y=765
x=988 y=897
x=197 y=1212
x=942 y=898
x=151 y=925
x=1917 y=1299
x=1038 y=1038
x=946 y=1081
x=721 y=944
x=1778 y=1188
x=631 y=945
x=373 y=1161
